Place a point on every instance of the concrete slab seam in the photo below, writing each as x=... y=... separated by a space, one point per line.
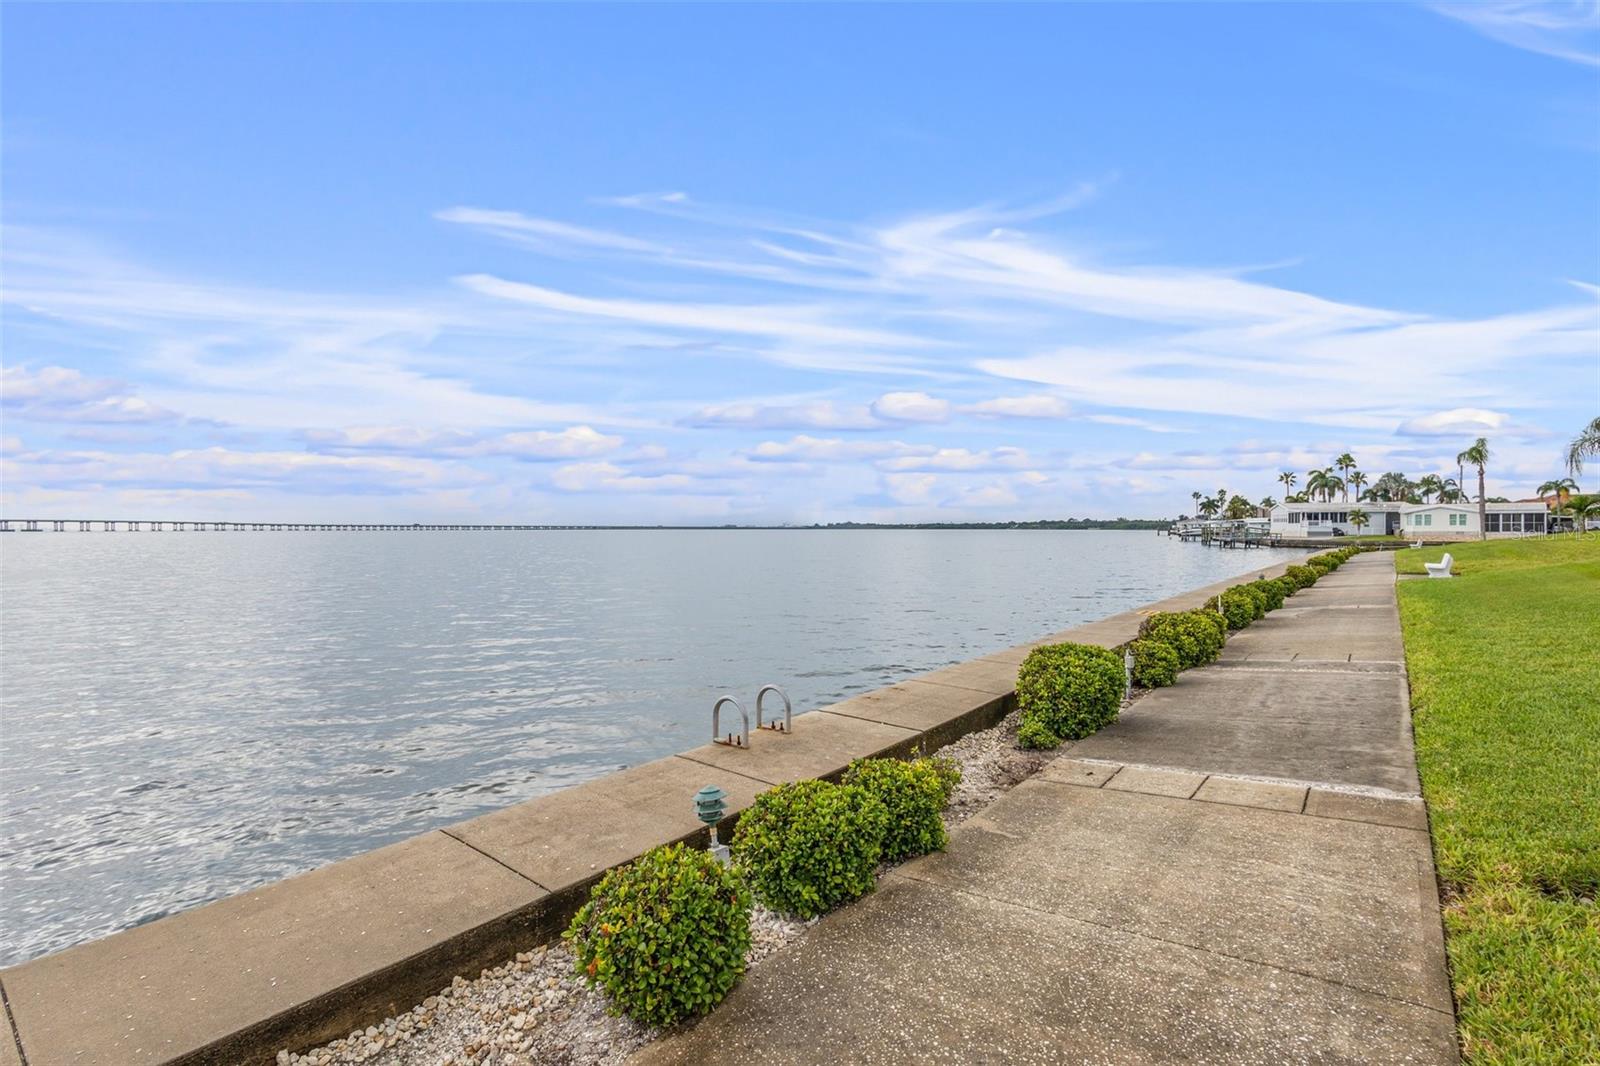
x=714 y=766
x=967 y=688
x=735 y=773
x=11 y=1025
x=1374 y=791
x=473 y=847
x=1174 y=943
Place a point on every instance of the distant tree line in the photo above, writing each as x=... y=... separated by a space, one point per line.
x=1049 y=523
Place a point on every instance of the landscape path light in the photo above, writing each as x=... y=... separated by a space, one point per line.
x=710 y=804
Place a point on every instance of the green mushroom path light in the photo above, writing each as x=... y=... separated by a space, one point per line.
x=710 y=804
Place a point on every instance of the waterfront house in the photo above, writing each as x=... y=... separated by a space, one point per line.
x=1430 y=521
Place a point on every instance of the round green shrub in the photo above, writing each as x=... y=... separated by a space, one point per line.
x=947 y=773
x=1271 y=592
x=1238 y=608
x=1033 y=733
x=1258 y=599
x=1197 y=636
x=1302 y=576
x=1286 y=588
x=808 y=846
x=1155 y=663
x=1218 y=622
x=1072 y=689
x=664 y=936
x=913 y=793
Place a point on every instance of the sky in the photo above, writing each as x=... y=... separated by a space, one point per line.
x=783 y=263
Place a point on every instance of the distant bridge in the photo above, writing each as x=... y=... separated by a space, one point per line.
x=167 y=525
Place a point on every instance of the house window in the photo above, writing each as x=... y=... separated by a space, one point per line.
x=1294 y=518
x=1427 y=519
x=1458 y=519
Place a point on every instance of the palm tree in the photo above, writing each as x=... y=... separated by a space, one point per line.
x=1358 y=518
x=1429 y=485
x=1209 y=507
x=1319 y=483
x=1356 y=479
x=1478 y=456
x=1288 y=479
x=1196 y=496
x=1579 y=507
x=1449 y=490
x=1586 y=445
x=1560 y=488
x=1582 y=515
x=1345 y=463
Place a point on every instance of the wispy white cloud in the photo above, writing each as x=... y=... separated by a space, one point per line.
x=819 y=414
x=1039 y=405
x=803 y=448
x=543 y=232
x=1456 y=422
x=1564 y=29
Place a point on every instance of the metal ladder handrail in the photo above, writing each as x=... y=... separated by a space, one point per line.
x=787 y=726
x=743 y=735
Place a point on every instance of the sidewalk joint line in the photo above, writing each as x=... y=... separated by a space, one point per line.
x=939 y=885
x=497 y=862
x=11 y=1024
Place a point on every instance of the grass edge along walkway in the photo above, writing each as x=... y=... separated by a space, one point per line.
x=1505 y=692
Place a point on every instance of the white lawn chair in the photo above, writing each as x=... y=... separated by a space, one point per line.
x=1440 y=568
x=1418 y=544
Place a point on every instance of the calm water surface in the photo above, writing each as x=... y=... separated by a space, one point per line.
x=188 y=715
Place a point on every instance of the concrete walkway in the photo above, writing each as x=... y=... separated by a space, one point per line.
x=1237 y=871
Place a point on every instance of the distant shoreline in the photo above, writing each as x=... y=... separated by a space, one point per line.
x=38 y=525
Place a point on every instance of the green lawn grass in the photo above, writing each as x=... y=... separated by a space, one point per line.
x=1504 y=663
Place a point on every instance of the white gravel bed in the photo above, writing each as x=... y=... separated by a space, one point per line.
x=534 y=1010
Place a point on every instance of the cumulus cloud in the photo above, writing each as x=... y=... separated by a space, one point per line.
x=575 y=442
x=227 y=468
x=961 y=459
x=62 y=394
x=911 y=407
x=609 y=477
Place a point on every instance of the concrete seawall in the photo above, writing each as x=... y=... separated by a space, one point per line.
x=311 y=958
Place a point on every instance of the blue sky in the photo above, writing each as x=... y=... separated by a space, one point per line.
x=770 y=263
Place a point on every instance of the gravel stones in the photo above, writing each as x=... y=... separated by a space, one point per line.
x=534 y=1011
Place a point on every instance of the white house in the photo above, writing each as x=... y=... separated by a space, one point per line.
x=1431 y=521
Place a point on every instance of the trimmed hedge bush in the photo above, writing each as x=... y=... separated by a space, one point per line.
x=1071 y=689
x=1258 y=598
x=946 y=772
x=1271 y=591
x=1033 y=733
x=807 y=846
x=1302 y=576
x=1155 y=663
x=913 y=794
x=1238 y=607
x=664 y=936
x=1197 y=636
